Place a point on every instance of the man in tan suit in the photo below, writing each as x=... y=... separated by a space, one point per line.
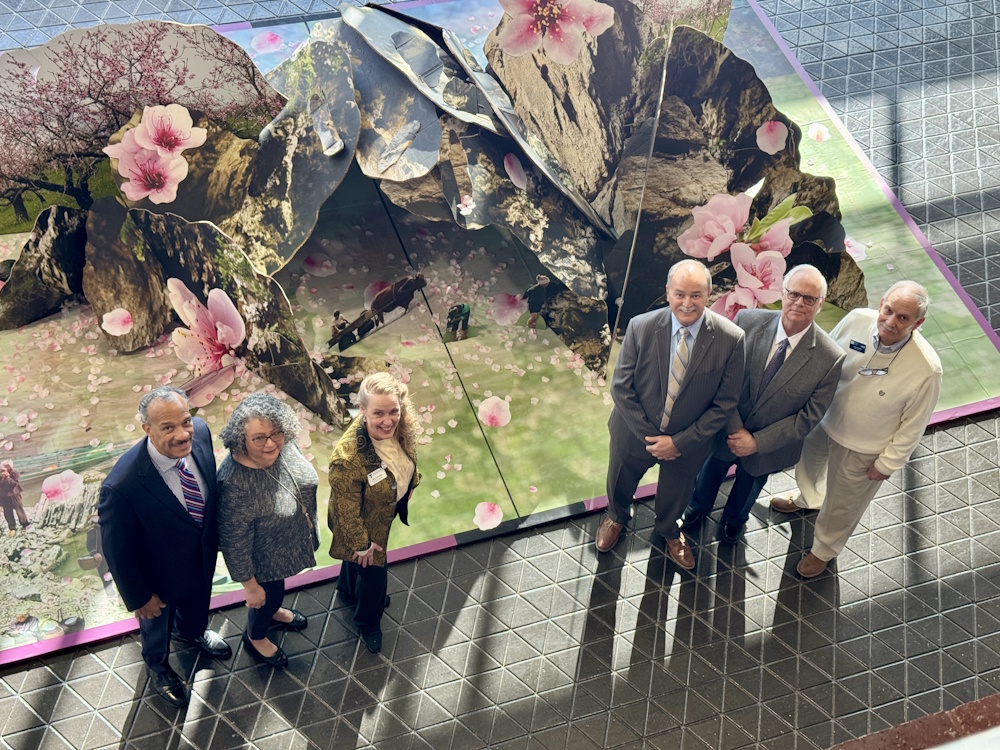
x=678 y=376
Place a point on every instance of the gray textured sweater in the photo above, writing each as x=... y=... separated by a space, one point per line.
x=263 y=532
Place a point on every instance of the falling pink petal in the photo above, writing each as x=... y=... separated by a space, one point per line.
x=118 y=322
x=855 y=249
x=467 y=206
x=772 y=136
x=267 y=42
x=64 y=486
x=818 y=132
x=373 y=289
x=507 y=308
x=514 y=170
x=319 y=265
x=487 y=516
x=494 y=412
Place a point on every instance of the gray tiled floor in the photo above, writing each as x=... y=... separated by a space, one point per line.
x=530 y=641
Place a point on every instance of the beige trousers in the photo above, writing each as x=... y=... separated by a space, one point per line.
x=835 y=480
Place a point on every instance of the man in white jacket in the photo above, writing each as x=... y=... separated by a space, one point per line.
x=888 y=388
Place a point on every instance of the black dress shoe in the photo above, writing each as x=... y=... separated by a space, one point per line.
x=298 y=622
x=278 y=659
x=373 y=641
x=730 y=532
x=210 y=642
x=170 y=687
x=691 y=518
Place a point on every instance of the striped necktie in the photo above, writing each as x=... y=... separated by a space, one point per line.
x=192 y=493
x=677 y=370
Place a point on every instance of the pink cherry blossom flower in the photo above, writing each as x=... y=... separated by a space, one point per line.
x=487 y=516
x=507 y=308
x=467 y=206
x=761 y=273
x=855 y=249
x=118 y=322
x=494 y=412
x=557 y=26
x=733 y=301
x=772 y=136
x=64 y=486
x=515 y=171
x=776 y=238
x=267 y=42
x=716 y=225
x=168 y=130
x=818 y=132
x=208 y=344
x=151 y=175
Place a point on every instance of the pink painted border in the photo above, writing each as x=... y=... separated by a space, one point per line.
x=947 y=414
x=116 y=629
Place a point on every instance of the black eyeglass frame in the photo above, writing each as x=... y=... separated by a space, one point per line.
x=796 y=296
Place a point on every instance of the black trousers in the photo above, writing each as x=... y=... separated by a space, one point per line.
x=259 y=620
x=189 y=616
x=629 y=461
x=367 y=586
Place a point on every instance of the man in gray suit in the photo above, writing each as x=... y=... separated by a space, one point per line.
x=677 y=378
x=792 y=372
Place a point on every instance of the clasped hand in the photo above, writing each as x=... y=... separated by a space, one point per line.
x=364 y=559
x=662 y=447
x=741 y=443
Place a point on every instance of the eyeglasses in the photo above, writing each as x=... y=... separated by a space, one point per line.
x=275 y=437
x=876 y=371
x=796 y=296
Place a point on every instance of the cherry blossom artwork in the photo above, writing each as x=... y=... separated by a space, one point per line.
x=558 y=27
x=487 y=516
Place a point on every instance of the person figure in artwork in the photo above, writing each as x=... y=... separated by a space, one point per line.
x=535 y=296
x=886 y=395
x=373 y=472
x=678 y=378
x=268 y=527
x=339 y=323
x=458 y=321
x=791 y=374
x=157 y=512
x=10 y=498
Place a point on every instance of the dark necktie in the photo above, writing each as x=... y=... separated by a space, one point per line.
x=773 y=366
x=192 y=493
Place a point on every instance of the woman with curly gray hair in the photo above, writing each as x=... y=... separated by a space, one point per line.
x=268 y=527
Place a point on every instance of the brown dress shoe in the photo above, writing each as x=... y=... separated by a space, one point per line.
x=607 y=534
x=680 y=552
x=785 y=502
x=810 y=566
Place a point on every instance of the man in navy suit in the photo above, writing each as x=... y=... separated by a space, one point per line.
x=157 y=514
x=792 y=372
x=678 y=376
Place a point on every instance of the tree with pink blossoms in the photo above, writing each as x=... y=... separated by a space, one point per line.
x=60 y=103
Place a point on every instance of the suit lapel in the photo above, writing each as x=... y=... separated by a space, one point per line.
x=663 y=335
x=158 y=491
x=800 y=355
x=701 y=346
x=761 y=348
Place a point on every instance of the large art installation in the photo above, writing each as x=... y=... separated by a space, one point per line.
x=475 y=196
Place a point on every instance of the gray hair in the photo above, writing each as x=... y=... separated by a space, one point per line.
x=806 y=268
x=690 y=262
x=913 y=290
x=262 y=406
x=162 y=393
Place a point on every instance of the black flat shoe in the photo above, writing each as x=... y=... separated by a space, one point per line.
x=298 y=622
x=277 y=660
x=730 y=533
x=170 y=687
x=691 y=519
x=373 y=641
x=209 y=642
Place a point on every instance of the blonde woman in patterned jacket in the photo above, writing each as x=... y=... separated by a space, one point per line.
x=373 y=471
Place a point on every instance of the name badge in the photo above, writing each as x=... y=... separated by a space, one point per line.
x=376 y=476
x=858 y=346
